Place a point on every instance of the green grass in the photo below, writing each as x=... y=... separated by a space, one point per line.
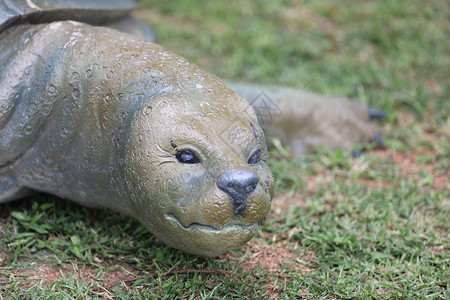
x=378 y=226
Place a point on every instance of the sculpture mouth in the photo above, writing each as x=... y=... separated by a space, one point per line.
x=209 y=228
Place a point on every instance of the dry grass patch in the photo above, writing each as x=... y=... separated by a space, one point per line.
x=275 y=257
x=45 y=274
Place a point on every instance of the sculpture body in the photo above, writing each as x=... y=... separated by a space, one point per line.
x=304 y=121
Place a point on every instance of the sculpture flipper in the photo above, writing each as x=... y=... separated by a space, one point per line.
x=21 y=118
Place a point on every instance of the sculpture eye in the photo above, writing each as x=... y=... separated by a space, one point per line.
x=254 y=159
x=187 y=157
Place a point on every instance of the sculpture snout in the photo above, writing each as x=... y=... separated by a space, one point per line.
x=238 y=184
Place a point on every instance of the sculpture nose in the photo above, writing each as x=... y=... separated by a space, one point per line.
x=238 y=184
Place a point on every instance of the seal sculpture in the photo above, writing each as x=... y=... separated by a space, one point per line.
x=122 y=123
x=106 y=119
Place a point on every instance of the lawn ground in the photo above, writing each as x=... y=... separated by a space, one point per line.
x=372 y=227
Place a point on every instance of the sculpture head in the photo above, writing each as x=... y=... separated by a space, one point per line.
x=197 y=169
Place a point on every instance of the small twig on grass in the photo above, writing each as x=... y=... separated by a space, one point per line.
x=156 y=274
